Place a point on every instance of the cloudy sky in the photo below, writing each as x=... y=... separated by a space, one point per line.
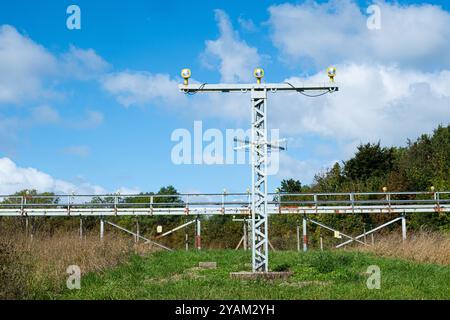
x=93 y=110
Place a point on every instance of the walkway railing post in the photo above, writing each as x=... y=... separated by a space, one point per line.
x=26 y=227
x=31 y=229
x=198 y=239
x=245 y=235
x=102 y=228
x=298 y=238
x=137 y=230
x=403 y=227
x=305 y=235
x=81 y=228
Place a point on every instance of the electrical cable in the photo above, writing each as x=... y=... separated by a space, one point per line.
x=308 y=95
x=191 y=93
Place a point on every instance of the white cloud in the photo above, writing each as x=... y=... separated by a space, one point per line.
x=336 y=32
x=374 y=102
x=91 y=119
x=140 y=88
x=303 y=170
x=8 y=133
x=28 y=71
x=247 y=24
x=12 y=126
x=24 y=67
x=125 y=190
x=44 y=115
x=83 y=64
x=80 y=151
x=14 y=178
x=235 y=57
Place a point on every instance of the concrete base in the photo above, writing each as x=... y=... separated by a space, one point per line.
x=244 y=275
x=207 y=265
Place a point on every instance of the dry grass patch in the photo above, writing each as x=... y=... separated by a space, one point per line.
x=429 y=247
x=31 y=268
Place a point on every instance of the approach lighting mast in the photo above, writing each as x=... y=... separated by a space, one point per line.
x=259 y=145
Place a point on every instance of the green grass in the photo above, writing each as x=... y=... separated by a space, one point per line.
x=317 y=275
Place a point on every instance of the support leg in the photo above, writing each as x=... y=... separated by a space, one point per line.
x=321 y=242
x=26 y=227
x=249 y=233
x=198 y=238
x=81 y=229
x=305 y=235
x=137 y=231
x=31 y=227
x=298 y=238
x=403 y=227
x=102 y=228
x=245 y=235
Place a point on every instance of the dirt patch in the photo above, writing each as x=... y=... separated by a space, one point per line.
x=272 y=275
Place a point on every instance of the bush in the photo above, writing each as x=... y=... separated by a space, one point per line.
x=326 y=262
x=281 y=267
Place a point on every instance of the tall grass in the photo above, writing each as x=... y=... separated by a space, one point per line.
x=429 y=247
x=36 y=267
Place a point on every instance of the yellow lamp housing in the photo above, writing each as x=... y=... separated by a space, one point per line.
x=186 y=74
x=331 y=71
x=259 y=74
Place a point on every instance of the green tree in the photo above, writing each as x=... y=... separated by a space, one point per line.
x=370 y=160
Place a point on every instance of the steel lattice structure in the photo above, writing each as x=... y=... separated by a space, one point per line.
x=258 y=145
x=260 y=250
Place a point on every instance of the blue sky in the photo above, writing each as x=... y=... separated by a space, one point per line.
x=78 y=113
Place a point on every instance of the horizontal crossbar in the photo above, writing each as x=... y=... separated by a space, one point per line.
x=224 y=87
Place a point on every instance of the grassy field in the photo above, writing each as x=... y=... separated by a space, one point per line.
x=317 y=275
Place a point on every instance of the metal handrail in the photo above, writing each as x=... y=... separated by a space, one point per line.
x=221 y=202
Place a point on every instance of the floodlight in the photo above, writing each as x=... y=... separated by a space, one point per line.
x=331 y=71
x=259 y=74
x=186 y=74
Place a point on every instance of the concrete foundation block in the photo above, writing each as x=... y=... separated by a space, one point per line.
x=207 y=265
